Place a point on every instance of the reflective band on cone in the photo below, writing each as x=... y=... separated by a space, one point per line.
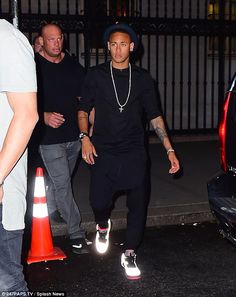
x=40 y=210
x=39 y=190
x=41 y=241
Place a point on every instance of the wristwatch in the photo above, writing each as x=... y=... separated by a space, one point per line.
x=82 y=135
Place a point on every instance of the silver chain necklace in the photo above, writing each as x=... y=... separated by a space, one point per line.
x=121 y=106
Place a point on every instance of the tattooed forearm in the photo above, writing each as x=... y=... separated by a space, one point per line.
x=159 y=127
x=83 y=121
x=161 y=133
x=83 y=116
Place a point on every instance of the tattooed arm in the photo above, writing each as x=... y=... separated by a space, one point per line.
x=88 y=150
x=159 y=127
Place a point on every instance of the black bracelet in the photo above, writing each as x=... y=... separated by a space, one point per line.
x=1 y=183
x=82 y=135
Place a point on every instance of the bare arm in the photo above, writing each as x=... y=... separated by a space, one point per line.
x=88 y=150
x=24 y=119
x=159 y=127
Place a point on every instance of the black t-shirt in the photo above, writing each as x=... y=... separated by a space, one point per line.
x=59 y=86
x=115 y=131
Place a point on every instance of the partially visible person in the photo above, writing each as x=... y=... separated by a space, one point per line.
x=36 y=44
x=122 y=95
x=60 y=78
x=18 y=117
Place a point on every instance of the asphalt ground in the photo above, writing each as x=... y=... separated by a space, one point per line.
x=176 y=261
x=173 y=199
x=182 y=253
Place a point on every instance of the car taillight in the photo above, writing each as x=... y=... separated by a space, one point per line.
x=222 y=133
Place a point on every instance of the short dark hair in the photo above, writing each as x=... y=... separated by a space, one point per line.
x=121 y=31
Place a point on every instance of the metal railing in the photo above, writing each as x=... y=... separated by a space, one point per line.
x=188 y=47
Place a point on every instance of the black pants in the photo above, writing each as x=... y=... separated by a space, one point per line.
x=124 y=172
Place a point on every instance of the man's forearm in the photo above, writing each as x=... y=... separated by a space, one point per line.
x=83 y=121
x=159 y=127
x=17 y=137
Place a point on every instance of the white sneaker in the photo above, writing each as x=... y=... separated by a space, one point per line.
x=102 y=238
x=132 y=271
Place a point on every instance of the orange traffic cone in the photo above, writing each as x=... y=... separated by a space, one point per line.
x=41 y=241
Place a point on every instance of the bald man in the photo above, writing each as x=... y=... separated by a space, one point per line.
x=59 y=83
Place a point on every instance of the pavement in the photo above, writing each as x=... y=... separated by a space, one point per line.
x=182 y=253
x=175 y=261
x=173 y=199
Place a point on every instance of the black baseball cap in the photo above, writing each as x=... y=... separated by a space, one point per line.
x=123 y=28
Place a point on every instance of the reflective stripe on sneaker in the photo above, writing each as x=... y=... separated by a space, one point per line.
x=77 y=246
x=102 y=238
x=131 y=269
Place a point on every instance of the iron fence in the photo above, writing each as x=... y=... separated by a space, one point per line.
x=188 y=46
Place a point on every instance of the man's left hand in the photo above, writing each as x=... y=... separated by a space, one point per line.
x=174 y=163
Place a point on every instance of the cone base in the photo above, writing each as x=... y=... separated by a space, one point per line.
x=57 y=254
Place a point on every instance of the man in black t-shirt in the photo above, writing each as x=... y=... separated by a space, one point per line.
x=59 y=83
x=121 y=94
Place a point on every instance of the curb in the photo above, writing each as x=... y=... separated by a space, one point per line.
x=160 y=216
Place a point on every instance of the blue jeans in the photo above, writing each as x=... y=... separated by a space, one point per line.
x=59 y=161
x=11 y=274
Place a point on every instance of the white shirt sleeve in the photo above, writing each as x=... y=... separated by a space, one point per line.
x=17 y=73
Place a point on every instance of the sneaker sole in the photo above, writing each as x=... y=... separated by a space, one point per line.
x=129 y=277
x=133 y=277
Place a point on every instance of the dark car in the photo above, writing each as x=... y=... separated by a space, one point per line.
x=222 y=187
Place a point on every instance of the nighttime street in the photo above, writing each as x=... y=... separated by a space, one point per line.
x=188 y=258
x=104 y=74
x=176 y=261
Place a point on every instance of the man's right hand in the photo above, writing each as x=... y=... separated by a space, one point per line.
x=88 y=151
x=53 y=119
